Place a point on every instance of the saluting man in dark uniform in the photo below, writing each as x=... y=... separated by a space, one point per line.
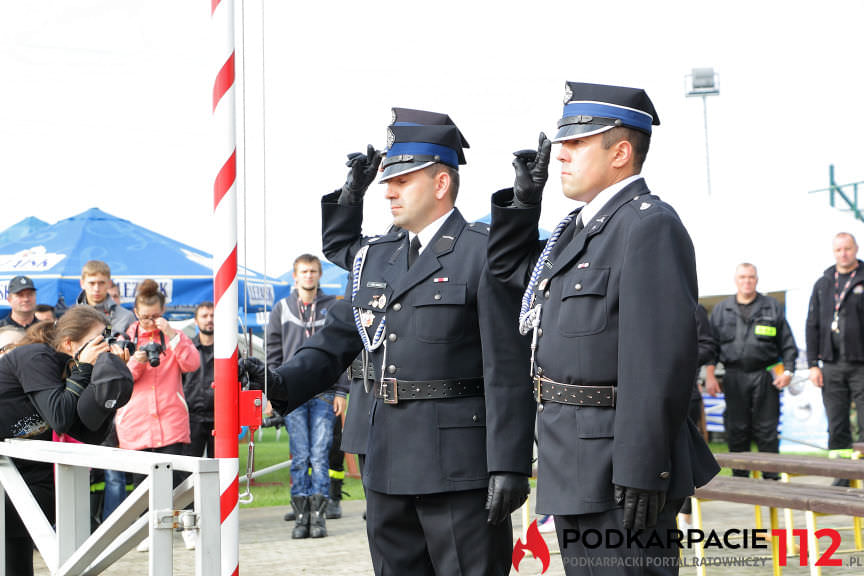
x=753 y=335
x=441 y=479
x=610 y=304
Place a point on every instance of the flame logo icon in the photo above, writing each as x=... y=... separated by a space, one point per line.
x=534 y=544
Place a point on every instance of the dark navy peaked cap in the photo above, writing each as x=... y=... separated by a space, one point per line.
x=594 y=108
x=411 y=117
x=412 y=147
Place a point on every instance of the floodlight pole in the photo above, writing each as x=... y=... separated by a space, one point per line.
x=707 y=156
x=703 y=83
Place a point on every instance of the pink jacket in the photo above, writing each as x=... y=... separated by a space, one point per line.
x=156 y=414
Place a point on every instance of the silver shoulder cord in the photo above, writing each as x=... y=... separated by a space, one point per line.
x=380 y=332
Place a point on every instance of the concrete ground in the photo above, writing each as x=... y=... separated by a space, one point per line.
x=266 y=547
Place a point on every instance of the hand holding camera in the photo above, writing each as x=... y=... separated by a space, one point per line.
x=91 y=350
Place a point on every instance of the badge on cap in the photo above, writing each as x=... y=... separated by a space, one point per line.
x=391 y=138
x=568 y=93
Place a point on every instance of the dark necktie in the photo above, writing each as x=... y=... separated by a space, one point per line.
x=567 y=236
x=413 y=251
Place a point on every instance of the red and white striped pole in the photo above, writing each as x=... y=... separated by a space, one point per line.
x=227 y=424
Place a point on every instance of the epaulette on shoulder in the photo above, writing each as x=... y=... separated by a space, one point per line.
x=479 y=227
x=646 y=205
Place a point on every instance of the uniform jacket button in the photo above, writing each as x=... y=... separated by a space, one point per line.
x=474 y=418
x=539 y=332
x=578 y=286
x=437 y=296
x=664 y=475
x=391 y=369
x=547 y=294
x=392 y=337
x=539 y=407
x=397 y=306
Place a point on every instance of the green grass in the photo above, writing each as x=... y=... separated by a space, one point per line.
x=274 y=489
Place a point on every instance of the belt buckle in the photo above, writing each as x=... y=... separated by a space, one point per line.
x=389 y=390
x=537 y=397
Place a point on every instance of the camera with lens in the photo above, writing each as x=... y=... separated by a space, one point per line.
x=118 y=340
x=153 y=350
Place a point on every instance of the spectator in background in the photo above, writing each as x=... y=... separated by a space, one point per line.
x=114 y=293
x=45 y=312
x=156 y=419
x=9 y=338
x=310 y=427
x=58 y=379
x=22 y=299
x=95 y=280
x=198 y=386
x=835 y=341
x=752 y=333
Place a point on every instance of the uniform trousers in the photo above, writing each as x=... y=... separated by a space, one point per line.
x=752 y=413
x=583 y=540
x=842 y=383
x=444 y=534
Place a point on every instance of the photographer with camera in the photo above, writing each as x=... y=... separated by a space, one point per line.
x=156 y=418
x=58 y=378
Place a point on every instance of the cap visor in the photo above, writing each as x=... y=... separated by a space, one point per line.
x=91 y=414
x=401 y=168
x=573 y=131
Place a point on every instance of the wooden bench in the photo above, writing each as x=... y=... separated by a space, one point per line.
x=810 y=499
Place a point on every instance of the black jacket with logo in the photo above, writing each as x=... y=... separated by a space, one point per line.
x=821 y=314
x=755 y=343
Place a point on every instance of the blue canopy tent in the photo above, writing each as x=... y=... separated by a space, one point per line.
x=23 y=228
x=54 y=255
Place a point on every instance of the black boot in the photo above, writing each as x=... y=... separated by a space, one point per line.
x=317 y=521
x=301 y=510
x=334 y=505
x=290 y=516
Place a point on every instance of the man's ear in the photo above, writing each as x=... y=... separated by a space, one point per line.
x=622 y=153
x=442 y=184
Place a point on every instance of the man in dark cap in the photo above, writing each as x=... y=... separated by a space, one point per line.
x=21 y=295
x=610 y=301
x=450 y=427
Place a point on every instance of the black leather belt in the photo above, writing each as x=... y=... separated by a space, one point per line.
x=547 y=390
x=393 y=390
x=355 y=371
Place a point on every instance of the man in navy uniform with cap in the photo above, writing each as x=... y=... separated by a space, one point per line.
x=450 y=427
x=610 y=304
x=22 y=299
x=341 y=237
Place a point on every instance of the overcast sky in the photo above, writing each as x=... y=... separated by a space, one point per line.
x=107 y=103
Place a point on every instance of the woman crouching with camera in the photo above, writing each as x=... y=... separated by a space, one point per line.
x=156 y=418
x=60 y=377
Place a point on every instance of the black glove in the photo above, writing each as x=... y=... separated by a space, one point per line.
x=252 y=371
x=641 y=507
x=362 y=173
x=532 y=170
x=507 y=492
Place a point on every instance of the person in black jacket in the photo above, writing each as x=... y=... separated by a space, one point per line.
x=45 y=386
x=197 y=386
x=753 y=335
x=450 y=425
x=610 y=302
x=835 y=340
